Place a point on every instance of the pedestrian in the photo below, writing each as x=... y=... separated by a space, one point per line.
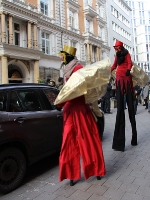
x=106 y=98
x=113 y=89
x=52 y=83
x=47 y=81
x=60 y=83
x=145 y=95
x=142 y=96
x=124 y=85
x=80 y=132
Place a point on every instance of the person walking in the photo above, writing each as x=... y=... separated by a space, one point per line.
x=124 y=85
x=79 y=133
x=145 y=95
x=61 y=83
x=106 y=98
x=52 y=83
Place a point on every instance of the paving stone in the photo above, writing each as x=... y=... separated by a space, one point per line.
x=100 y=190
x=129 y=196
x=97 y=197
x=114 y=194
x=132 y=188
x=65 y=191
x=145 y=191
x=81 y=195
x=137 y=173
x=46 y=196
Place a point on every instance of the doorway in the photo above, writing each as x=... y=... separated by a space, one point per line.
x=14 y=74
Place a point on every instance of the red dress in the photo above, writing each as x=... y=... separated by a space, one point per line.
x=121 y=73
x=80 y=140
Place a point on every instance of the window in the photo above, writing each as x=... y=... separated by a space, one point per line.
x=44 y=7
x=87 y=25
x=3 y=100
x=16 y=34
x=45 y=43
x=51 y=96
x=73 y=44
x=15 y=105
x=71 y=18
x=30 y=100
x=88 y=2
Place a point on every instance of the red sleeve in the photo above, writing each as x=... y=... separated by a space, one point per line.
x=77 y=68
x=114 y=65
x=129 y=61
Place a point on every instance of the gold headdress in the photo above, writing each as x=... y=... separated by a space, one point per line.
x=69 y=49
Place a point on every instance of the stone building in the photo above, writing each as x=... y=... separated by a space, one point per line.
x=34 y=31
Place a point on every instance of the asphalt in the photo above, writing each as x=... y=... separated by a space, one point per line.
x=127 y=177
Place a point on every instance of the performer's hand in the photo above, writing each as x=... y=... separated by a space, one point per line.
x=128 y=72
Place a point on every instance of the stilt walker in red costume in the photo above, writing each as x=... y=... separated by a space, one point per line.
x=124 y=85
x=80 y=133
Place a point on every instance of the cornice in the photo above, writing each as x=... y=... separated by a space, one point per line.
x=59 y=29
x=20 y=52
x=19 y=10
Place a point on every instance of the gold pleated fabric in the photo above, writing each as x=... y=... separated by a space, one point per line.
x=90 y=81
x=138 y=75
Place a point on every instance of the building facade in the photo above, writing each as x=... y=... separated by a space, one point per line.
x=141 y=33
x=119 y=25
x=34 y=31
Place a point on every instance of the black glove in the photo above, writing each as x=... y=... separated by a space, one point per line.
x=128 y=72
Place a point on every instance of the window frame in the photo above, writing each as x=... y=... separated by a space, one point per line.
x=46 y=40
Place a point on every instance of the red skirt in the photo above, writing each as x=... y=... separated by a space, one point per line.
x=80 y=140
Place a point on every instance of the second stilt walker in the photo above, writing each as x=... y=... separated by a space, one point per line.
x=124 y=86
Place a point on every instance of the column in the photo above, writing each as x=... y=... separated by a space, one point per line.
x=29 y=35
x=10 y=29
x=36 y=71
x=35 y=35
x=3 y=26
x=4 y=69
x=97 y=53
x=88 y=52
x=91 y=53
x=100 y=53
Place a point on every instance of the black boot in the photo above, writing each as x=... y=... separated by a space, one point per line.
x=134 y=140
x=71 y=183
x=98 y=178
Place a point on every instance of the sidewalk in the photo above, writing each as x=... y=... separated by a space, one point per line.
x=127 y=177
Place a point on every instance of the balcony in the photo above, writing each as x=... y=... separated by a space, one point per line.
x=89 y=11
x=74 y=4
x=88 y=34
x=101 y=20
x=75 y=30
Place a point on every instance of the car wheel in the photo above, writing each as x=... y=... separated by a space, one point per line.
x=100 y=127
x=12 y=169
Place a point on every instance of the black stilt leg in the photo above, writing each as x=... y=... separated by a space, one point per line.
x=98 y=178
x=71 y=183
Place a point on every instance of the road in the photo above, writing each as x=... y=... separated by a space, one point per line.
x=127 y=177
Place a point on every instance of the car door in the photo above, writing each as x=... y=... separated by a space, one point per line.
x=5 y=128
x=55 y=129
x=28 y=117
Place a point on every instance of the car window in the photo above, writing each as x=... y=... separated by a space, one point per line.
x=30 y=100
x=51 y=96
x=14 y=105
x=3 y=100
